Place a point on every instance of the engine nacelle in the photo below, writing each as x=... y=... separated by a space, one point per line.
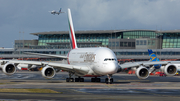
x=170 y=69
x=48 y=72
x=9 y=69
x=142 y=72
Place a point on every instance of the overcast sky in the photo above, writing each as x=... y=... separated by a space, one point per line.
x=31 y=16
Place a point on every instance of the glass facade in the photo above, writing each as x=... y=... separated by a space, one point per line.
x=139 y=34
x=44 y=39
x=102 y=37
x=171 y=40
x=145 y=42
x=80 y=38
x=6 y=52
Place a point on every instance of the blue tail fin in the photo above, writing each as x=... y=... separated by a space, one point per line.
x=60 y=10
x=153 y=57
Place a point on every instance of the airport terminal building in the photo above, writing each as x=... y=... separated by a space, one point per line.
x=128 y=45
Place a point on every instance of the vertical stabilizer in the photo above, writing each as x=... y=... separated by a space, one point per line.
x=71 y=30
x=60 y=10
x=153 y=57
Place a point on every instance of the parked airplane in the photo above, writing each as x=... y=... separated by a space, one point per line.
x=153 y=57
x=54 y=12
x=87 y=62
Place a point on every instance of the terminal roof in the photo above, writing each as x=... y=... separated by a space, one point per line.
x=87 y=32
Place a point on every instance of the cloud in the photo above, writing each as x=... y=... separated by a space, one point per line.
x=33 y=16
x=116 y=13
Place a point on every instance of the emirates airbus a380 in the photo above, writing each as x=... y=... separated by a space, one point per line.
x=88 y=62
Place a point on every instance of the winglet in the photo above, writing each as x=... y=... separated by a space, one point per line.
x=71 y=30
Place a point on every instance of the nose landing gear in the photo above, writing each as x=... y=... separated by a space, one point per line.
x=109 y=80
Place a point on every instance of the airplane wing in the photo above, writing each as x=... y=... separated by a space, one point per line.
x=147 y=63
x=49 y=55
x=78 y=69
x=143 y=69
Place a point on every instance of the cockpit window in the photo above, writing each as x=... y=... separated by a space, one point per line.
x=105 y=59
x=109 y=59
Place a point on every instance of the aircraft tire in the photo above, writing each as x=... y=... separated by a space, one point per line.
x=111 y=81
x=67 y=79
x=76 y=79
x=98 y=79
x=81 y=79
x=92 y=79
x=71 y=79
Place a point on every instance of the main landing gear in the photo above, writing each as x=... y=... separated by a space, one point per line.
x=79 y=79
x=109 y=80
x=95 y=79
x=70 y=79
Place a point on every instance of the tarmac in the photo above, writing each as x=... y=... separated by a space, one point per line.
x=125 y=87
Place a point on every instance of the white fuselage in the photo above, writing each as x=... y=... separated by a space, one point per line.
x=54 y=12
x=101 y=60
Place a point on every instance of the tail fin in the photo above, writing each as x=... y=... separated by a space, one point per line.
x=71 y=31
x=60 y=10
x=152 y=55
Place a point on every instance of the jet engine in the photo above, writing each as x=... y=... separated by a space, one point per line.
x=142 y=72
x=48 y=72
x=9 y=68
x=170 y=69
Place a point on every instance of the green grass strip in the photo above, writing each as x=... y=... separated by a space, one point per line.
x=29 y=91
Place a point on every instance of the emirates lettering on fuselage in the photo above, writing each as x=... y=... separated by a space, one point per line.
x=88 y=57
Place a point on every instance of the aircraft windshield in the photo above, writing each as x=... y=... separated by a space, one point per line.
x=109 y=59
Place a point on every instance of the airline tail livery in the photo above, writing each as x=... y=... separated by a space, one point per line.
x=71 y=31
x=153 y=57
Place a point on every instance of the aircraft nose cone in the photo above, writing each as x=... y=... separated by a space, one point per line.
x=111 y=68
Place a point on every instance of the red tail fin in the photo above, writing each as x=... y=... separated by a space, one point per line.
x=71 y=31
